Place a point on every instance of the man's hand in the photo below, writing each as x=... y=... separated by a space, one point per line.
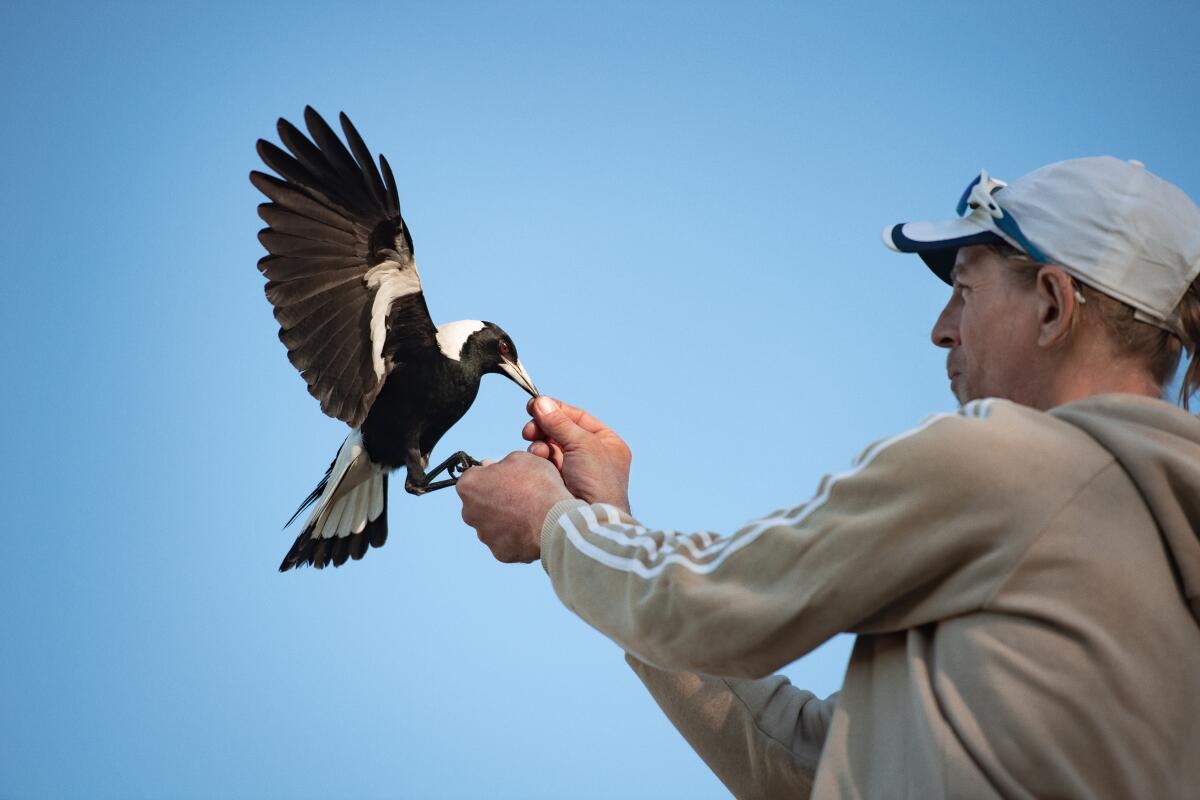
x=506 y=502
x=593 y=460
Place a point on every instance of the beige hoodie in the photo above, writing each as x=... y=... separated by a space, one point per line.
x=1025 y=587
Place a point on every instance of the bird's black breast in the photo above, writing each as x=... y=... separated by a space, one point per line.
x=419 y=402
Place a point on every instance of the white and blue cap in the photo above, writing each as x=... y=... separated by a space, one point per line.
x=1111 y=224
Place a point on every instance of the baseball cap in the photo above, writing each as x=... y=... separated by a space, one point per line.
x=1112 y=224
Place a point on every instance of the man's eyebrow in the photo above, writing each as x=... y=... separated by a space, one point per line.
x=957 y=271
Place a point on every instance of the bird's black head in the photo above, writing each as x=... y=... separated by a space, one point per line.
x=484 y=346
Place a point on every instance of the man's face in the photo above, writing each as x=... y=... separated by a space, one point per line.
x=990 y=328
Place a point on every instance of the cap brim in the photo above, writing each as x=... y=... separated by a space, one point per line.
x=937 y=242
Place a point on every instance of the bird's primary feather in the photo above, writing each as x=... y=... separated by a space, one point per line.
x=341 y=275
x=367 y=164
x=296 y=200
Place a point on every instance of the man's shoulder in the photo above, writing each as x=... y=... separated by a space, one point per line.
x=994 y=418
x=991 y=435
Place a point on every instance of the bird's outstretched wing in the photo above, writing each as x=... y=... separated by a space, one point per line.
x=341 y=273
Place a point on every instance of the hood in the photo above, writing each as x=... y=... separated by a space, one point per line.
x=1158 y=445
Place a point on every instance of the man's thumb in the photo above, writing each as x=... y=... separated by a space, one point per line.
x=551 y=419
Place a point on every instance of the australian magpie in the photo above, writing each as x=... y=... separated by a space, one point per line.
x=348 y=299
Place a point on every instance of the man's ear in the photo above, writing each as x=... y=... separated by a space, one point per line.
x=1056 y=305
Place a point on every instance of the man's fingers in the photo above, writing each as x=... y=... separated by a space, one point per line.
x=542 y=445
x=584 y=420
x=555 y=423
x=531 y=432
x=549 y=451
x=577 y=415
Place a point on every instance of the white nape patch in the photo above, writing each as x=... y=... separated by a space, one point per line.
x=390 y=282
x=453 y=335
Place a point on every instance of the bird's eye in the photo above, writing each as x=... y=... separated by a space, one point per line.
x=503 y=347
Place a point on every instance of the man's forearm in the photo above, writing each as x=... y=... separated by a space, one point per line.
x=657 y=595
x=885 y=546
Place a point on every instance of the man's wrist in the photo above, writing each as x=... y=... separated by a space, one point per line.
x=550 y=526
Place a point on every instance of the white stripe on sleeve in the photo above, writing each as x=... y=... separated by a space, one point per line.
x=652 y=557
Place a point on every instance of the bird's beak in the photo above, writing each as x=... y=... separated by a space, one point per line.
x=519 y=376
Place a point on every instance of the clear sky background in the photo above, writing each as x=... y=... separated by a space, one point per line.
x=675 y=211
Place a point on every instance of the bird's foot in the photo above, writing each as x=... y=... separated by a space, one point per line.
x=454 y=466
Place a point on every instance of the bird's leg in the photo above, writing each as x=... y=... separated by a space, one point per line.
x=418 y=481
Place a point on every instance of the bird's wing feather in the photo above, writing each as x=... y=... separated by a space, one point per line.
x=341 y=274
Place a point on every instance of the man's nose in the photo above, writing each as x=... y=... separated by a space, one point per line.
x=945 y=330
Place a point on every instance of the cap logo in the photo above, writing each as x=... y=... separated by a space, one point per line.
x=978 y=195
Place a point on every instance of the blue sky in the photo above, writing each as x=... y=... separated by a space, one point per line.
x=675 y=211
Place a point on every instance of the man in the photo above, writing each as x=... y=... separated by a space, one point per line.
x=1023 y=576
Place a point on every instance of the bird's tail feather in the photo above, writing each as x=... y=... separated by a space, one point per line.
x=313 y=495
x=350 y=514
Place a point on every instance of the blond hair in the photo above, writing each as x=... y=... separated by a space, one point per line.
x=1159 y=349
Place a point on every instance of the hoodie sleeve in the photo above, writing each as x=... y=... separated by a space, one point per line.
x=907 y=536
x=762 y=738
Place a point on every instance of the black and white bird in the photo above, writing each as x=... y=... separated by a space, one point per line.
x=345 y=290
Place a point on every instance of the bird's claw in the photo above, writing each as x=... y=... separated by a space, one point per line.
x=454 y=467
x=461 y=463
